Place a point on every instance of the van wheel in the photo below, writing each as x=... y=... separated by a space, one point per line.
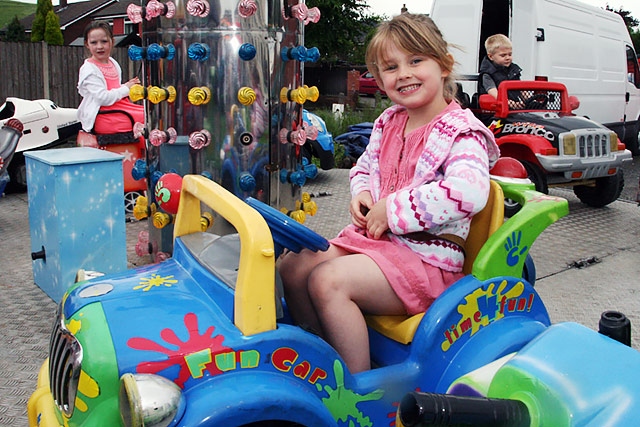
x=534 y=173
x=606 y=190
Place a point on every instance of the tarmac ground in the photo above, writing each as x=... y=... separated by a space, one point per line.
x=586 y=263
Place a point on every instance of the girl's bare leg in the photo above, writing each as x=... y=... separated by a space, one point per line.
x=342 y=289
x=294 y=270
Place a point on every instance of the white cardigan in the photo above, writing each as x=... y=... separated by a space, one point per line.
x=92 y=86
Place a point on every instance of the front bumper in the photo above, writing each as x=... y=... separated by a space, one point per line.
x=591 y=167
x=40 y=407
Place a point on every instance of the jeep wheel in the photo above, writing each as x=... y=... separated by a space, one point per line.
x=534 y=173
x=632 y=141
x=606 y=190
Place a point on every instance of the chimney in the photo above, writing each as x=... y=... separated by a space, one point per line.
x=63 y=3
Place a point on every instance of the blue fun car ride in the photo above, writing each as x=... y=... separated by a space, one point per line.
x=202 y=339
x=320 y=147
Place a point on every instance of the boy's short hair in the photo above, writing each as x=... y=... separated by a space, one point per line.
x=495 y=42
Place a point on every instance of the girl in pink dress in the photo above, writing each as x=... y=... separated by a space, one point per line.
x=99 y=84
x=424 y=174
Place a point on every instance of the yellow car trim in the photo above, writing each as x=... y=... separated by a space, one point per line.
x=40 y=407
x=254 y=309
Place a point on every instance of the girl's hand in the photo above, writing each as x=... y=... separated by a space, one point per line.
x=133 y=81
x=377 y=221
x=358 y=208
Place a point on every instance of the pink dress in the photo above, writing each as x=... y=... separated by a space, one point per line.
x=116 y=123
x=416 y=282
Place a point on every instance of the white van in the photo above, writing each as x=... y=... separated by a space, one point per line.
x=586 y=48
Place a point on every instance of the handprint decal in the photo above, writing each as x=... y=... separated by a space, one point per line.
x=514 y=252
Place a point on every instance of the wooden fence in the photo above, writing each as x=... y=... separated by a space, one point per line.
x=40 y=71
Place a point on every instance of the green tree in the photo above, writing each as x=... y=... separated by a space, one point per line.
x=15 y=31
x=635 y=38
x=40 y=20
x=52 y=32
x=343 y=30
x=632 y=25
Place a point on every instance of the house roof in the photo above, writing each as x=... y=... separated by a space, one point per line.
x=72 y=12
x=124 y=40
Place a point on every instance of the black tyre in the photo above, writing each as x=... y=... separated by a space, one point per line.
x=632 y=141
x=529 y=270
x=17 y=175
x=307 y=151
x=606 y=190
x=535 y=174
x=130 y=199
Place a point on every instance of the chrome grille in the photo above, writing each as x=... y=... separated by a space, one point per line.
x=591 y=144
x=65 y=363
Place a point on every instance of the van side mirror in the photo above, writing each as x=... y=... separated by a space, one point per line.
x=488 y=103
x=574 y=102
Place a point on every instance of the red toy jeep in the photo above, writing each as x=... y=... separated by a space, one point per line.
x=533 y=122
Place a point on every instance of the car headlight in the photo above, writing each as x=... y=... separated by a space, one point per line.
x=149 y=400
x=613 y=142
x=569 y=144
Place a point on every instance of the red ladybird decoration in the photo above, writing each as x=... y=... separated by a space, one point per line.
x=167 y=192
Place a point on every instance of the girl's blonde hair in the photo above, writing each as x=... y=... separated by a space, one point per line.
x=416 y=34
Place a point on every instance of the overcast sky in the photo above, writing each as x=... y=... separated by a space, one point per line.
x=392 y=8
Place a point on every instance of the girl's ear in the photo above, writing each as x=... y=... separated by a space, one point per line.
x=449 y=62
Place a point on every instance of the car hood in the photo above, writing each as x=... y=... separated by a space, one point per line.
x=552 y=122
x=156 y=312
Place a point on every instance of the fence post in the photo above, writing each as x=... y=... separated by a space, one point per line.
x=45 y=70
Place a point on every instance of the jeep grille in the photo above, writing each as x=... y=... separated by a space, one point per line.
x=65 y=363
x=592 y=144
